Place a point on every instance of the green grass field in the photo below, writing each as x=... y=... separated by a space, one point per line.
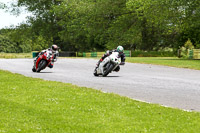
x=167 y=61
x=34 y=105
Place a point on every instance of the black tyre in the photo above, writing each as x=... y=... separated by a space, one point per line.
x=42 y=64
x=108 y=70
x=95 y=72
x=33 y=69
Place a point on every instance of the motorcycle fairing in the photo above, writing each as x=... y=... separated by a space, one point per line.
x=114 y=58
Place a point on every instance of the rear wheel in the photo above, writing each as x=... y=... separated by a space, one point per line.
x=42 y=64
x=108 y=70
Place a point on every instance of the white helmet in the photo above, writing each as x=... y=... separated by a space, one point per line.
x=120 y=49
x=54 y=47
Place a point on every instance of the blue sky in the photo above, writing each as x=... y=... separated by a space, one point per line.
x=6 y=19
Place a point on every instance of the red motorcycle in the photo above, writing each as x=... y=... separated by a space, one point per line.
x=42 y=61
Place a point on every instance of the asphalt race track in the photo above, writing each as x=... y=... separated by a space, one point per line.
x=168 y=86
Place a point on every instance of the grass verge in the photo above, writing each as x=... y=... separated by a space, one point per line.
x=35 y=105
x=167 y=61
x=15 y=55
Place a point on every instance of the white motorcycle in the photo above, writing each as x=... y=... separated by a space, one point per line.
x=108 y=65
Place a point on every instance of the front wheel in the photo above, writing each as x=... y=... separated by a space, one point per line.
x=33 y=69
x=42 y=64
x=95 y=72
x=108 y=70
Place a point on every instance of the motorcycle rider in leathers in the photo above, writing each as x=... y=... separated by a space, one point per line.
x=119 y=49
x=52 y=50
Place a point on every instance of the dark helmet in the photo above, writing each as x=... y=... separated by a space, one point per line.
x=54 y=47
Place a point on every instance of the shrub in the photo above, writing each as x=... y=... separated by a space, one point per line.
x=188 y=44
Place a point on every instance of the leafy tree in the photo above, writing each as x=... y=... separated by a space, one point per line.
x=6 y=45
x=89 y=25
x=43 y=22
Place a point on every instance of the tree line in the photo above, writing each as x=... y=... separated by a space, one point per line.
x=96 y=25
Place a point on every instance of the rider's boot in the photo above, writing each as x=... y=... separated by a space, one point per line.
x=117 y=69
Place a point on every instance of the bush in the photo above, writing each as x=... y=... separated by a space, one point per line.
x=79 y=54
x=184 y=49
x=188 y=44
